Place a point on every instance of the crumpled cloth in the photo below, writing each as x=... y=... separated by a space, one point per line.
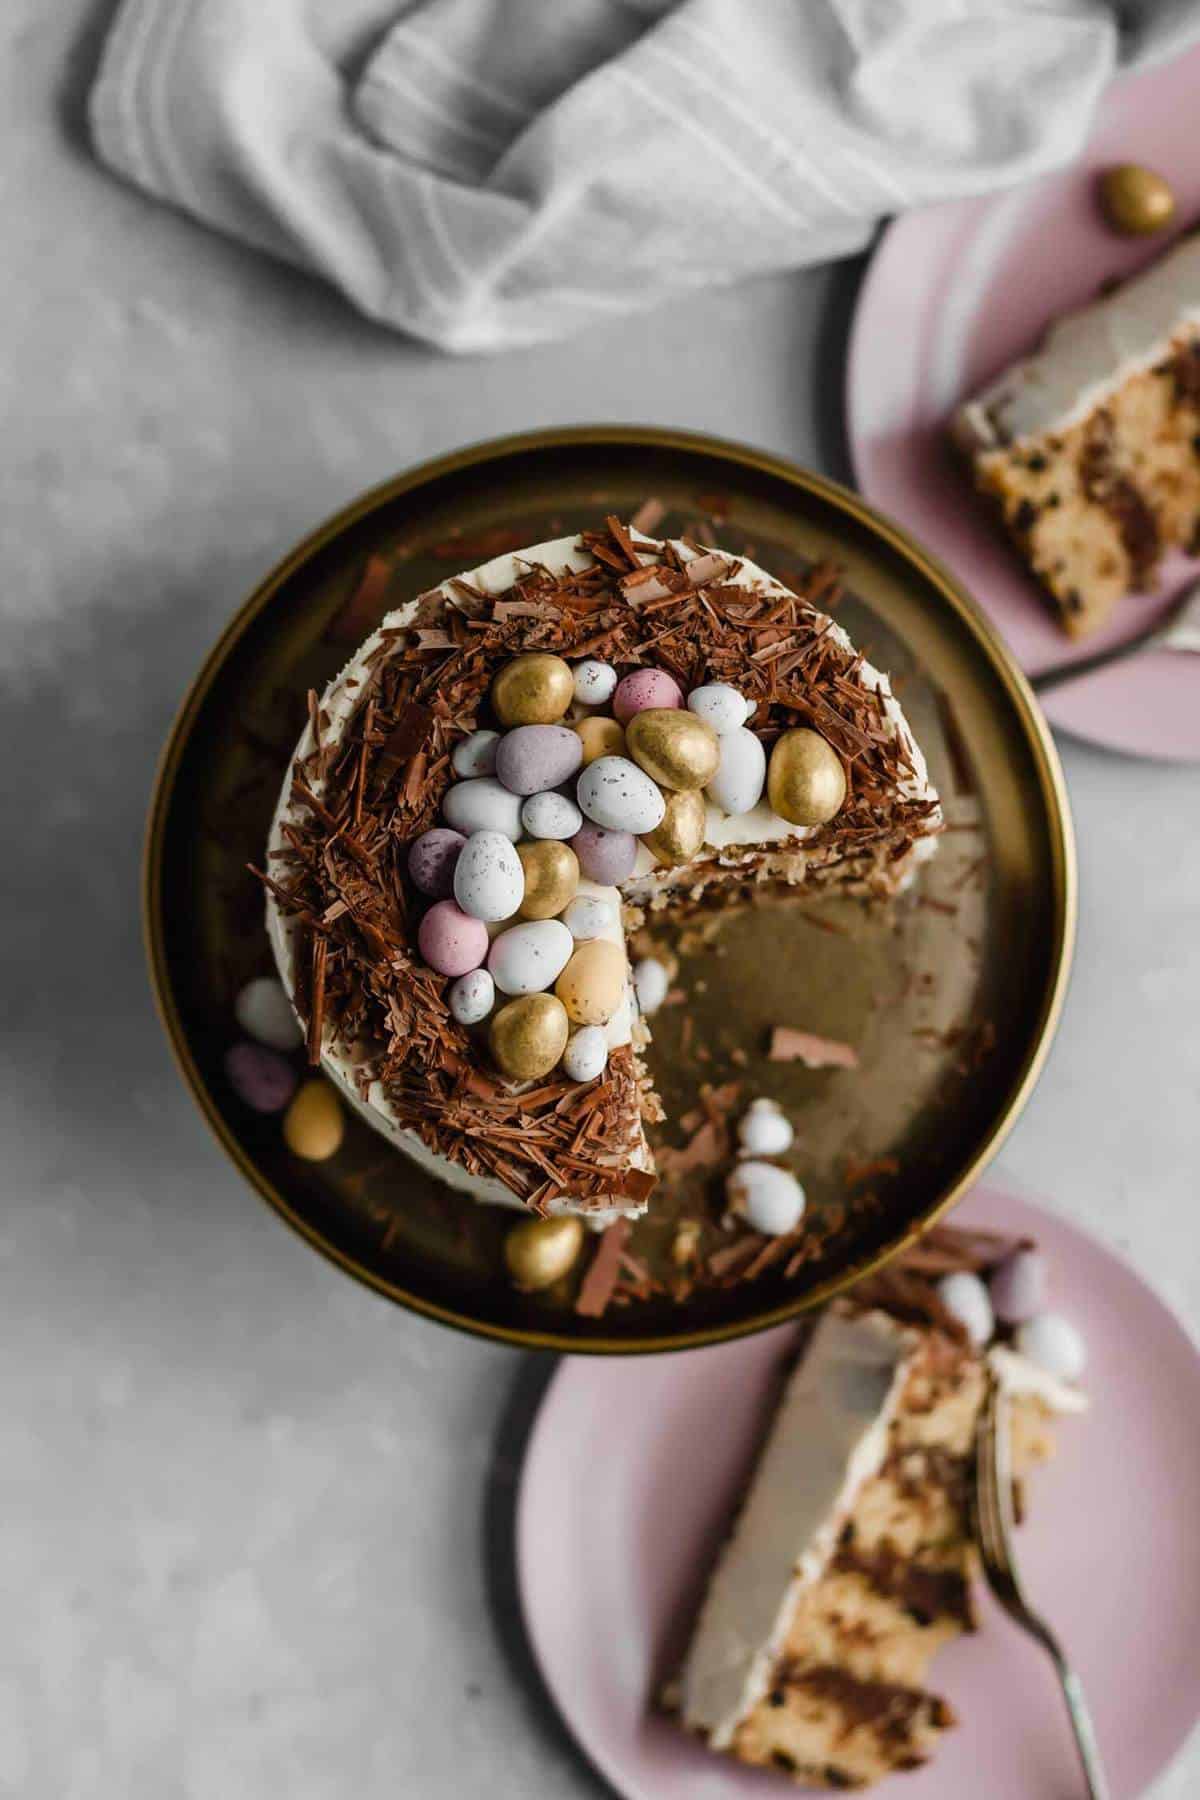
x=487 y=173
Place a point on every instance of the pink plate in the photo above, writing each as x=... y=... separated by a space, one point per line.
x=634 y=1466
x=953 y=295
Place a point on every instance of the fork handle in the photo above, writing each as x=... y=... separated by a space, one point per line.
x=1087 y=665
x=1085 y=1734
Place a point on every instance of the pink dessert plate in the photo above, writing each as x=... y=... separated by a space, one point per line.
x=952 y=296
x=634 y=1468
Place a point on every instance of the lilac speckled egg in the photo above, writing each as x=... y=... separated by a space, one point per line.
x=432 y=858
x=1018 y=1286
x=532 y=757
x=261 y=1078
x=451 y=941
x=643 y=689
x=606 y=857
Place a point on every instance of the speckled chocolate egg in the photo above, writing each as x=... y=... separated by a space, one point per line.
x=551 y=877
x=482 y=805
x=489 y=880
x=678 y=838
x=450 y=940
x=1018 y=1286
x=768 y=1198
x=534 y=757
x=540 y=1252
x=472 y=997
x=592 y=985
x=528 y=959
x=614 y=793
x=719 y=705
x=676 y=749
x=528 y=1036
x=741 y=773
x=595 y=681
x=965 y=1298
x=313 y=1125
x=586 y=1055
x=260 y=1078
x=534 y=689
x=645 y=688
x=589 y=916
x=600 y=736
x=432 y=858
x=1052 y=1343
x=1135 y=200
x=550 y=815
x=605 y=857
x=476 y=755
x=264 y=1012
x=650 y=984
x=806 y=783
x=764 y=1129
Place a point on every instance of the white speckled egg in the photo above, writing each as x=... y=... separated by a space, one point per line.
x=719 y=705
x=586 y=1055
x=769 y=1199
x=763 y=1130
x=476 y=755
x=263 y=1011
x=550 y=815
x=527 y=959
x=741 y=773
x=589 y=916
x=1018 y=1286
x=595 y=681
x=650 y=983
x=965 y=1297
x=489 y=882
x=1053 y=1344
x=482 y=805
x=472 y=997
x=618 y=796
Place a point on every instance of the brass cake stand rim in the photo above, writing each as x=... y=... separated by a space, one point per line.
x=1004 y=665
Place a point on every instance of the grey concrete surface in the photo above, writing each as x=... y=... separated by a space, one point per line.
x=254 y=1524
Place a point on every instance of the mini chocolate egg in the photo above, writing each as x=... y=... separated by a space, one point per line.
x=676 y=749
x=592 y=986
x=534 y=757
x=806 y=783
x=260 y=1078
x=534 y=689
x=482 y=805
x=586 y=1055
x=489 y=879
x=768 y=1198
x=472 y=997
x=1018 y=1286
x=264 y=1012
x=741 y=773
x=719 y=705
x=540 y=1252
x=528 y=959
x=605 y=857
x=650 y=984
x=764 y=1130
x=551 y=877
x=528 y=1035
x=476 y=755
x=615 y=793
x=645 y=688
x=313 y=1125
x=589 y=916
x=550 y=815
x=595 y=681
x=600 y=737
x=432 y=858
x=681 y=832
x=450 y=940
x=1135 y=200
x=965 y=1298
x=1052 y=1343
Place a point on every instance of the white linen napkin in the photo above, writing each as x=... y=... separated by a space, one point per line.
x=485 y=173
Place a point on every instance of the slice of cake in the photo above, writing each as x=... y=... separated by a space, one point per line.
x=511 y=770
x=1090 y=449
x=852 y=1559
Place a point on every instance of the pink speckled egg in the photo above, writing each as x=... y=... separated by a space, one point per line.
x=643 y=689
x=261 y=1078
x=451 y=941
x=606 y=857
x=432 y=858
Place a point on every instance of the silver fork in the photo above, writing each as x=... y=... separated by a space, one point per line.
x=993 y=1507
x=1178 y=628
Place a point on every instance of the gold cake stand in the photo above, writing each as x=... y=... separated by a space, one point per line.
x=950 y=996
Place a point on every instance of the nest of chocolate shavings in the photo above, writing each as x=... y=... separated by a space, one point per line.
x=361 y=794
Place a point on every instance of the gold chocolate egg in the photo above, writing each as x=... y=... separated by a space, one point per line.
x=600 y=737
x=1136 y=201
x=540 y=1251
x=313 y=1126
x=675 y=748
x=528 y=1036
x=806 y=783
x=535 y=689
x=551 y=877
x=592 y=985
x=681 y=833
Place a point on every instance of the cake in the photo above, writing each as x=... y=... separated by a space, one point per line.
x=389 y=761
x=1090 y=448
x=852 y=1558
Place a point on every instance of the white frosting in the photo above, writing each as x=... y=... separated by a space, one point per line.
x=1086 y=355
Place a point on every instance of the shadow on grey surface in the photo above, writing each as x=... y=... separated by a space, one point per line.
x=533 y=1377
x=827 y=367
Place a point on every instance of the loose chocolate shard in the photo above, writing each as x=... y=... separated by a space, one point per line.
x=790 y=1045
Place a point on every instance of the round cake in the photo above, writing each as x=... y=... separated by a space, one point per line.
x=510 y=774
